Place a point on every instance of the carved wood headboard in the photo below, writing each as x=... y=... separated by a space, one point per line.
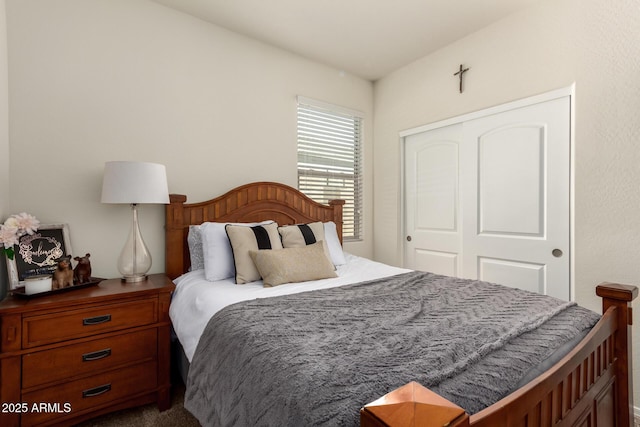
x=253 y=202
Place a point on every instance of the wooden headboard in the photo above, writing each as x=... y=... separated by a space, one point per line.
x=258 y=201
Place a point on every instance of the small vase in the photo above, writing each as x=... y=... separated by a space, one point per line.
x=12 y=273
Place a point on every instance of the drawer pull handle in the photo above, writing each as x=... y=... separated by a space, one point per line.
x=96 y=320
x=96 y=355
x=96 y=391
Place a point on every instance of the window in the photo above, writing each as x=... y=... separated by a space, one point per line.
x=330 y=159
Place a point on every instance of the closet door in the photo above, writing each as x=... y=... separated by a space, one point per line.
x=489 y=199
x=515 y=168
x=432 y=201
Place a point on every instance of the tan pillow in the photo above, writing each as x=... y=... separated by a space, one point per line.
x=293 y=265
x=244 y=239
x=299 y=235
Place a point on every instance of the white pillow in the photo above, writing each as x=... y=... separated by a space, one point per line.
x=333 y=243
x=216 y=249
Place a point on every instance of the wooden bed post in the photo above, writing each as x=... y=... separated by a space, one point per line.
x=337 y=206
x=175 y=236
x=620 y=296
x=413 y=405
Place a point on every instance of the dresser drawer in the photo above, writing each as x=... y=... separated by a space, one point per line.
x=88 y=393
x=88 y=357
x=62 y=326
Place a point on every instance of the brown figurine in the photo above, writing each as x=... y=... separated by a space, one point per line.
x=63 y=274
x=82 y=272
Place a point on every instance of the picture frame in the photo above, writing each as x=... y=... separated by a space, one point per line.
x=37 y=253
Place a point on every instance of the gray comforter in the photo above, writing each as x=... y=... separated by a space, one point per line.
x=317 y=357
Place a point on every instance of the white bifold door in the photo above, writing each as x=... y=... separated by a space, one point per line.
x=489 y=198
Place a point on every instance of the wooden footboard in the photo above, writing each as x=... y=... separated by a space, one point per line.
x=590 y=386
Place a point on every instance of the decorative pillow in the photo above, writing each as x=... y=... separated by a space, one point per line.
x=194 y=241
x=300 y=235
x=333 y=243
x=293 y=264
x=244 y=239
x=216 y=249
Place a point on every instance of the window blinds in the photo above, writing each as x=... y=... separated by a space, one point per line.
x=330 y=159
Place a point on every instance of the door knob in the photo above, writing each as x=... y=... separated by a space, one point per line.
x=408 y=238
x=556 y=253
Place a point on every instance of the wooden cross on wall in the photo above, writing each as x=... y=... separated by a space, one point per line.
x=460 y=72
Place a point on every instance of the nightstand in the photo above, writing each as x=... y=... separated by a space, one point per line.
x=74 y=355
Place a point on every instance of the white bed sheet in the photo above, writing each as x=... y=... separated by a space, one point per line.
x=196 y=299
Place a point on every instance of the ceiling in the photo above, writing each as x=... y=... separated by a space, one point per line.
x=367 y=38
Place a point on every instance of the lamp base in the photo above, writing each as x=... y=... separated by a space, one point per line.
x=134 y=278
x=134 y=261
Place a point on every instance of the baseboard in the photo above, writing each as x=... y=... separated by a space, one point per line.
x=636 y=416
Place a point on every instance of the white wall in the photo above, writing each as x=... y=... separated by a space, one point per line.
x=4 y=136
x=93 y=81
x=594 y=43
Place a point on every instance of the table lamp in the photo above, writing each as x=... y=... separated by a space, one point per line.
x=134 y=183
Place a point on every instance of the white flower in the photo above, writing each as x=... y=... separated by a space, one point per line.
x=26 y=223
x=11 y=222
x=14 y=227
x=8 y=236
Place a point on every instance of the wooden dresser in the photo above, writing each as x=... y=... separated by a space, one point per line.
x=74 y=355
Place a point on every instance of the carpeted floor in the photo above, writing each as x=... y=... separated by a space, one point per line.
x=148 y=415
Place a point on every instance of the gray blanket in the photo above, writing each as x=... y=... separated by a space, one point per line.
x=316 y=358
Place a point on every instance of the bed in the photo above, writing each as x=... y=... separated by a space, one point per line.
x=590 y=384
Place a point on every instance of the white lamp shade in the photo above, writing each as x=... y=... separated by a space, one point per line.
x=134 y=182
